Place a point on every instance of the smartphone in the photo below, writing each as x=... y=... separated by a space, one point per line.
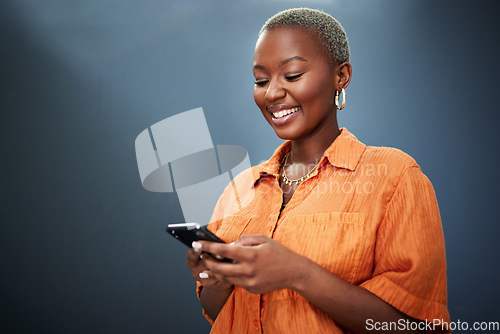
x=189 y=232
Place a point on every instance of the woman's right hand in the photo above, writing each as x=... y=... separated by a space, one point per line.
x=200 y=271
x=214 y=293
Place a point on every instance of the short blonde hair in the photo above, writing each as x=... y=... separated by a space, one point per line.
x=331 y=33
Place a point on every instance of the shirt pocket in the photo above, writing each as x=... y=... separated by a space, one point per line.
x=332 y=240
x=232 y=228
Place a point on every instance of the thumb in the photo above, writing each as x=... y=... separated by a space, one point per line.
x=252 y=240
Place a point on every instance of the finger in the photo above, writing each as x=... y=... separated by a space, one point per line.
x=224 y=269
x=215 y=256
x=223 y=250
x=205 y=275
x=252 y=240
x=222 y=279
x=196 y=247
x=196 y=270
x=192 y=257
x=208 y=279
x=229 y=280
x=193 y=254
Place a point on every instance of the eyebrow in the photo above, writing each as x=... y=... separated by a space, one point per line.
x=284 y=62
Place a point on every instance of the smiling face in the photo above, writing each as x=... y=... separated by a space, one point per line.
x=295 y=83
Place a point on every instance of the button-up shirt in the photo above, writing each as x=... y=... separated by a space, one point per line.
x=367 y=214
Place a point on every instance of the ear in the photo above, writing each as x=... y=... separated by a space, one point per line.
x=343 y=73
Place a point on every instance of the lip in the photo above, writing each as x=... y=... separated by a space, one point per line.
x=285 y=119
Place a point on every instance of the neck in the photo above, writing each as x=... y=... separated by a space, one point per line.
x=309 y=150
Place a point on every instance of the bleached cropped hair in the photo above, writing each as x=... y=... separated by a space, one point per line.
x=331 y=33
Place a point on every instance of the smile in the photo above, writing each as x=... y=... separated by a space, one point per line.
x=282 y=113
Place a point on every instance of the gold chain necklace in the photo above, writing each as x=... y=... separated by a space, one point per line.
x=299 y=180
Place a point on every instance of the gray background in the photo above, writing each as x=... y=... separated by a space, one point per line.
x=83 y=247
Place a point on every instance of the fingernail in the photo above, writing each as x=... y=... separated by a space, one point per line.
x=196 y=246
x=203 y=275
x=232 y=243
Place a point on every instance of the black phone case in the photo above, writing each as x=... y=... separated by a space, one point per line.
x=188 y=235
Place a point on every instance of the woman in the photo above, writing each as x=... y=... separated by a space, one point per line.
x=338 y=236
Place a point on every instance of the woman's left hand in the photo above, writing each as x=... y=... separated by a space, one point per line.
x=260 y=264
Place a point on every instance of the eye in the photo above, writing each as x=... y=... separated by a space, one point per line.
x=293 y=77
x=261 y=83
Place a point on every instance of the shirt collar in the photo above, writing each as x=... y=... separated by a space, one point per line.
x=344 y=152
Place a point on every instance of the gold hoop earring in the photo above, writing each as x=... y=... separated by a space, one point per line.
x=337 y=99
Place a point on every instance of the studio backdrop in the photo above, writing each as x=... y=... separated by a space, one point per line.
x=83 y=245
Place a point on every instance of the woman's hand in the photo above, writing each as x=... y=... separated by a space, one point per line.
x=260 y=264
x=200 y=271
x=214 y=293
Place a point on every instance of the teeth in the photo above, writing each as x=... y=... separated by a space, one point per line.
x=282 y=113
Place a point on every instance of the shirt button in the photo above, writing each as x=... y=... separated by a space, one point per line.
x=256 y=322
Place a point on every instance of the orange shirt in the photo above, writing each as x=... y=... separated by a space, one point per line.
x=367 y=214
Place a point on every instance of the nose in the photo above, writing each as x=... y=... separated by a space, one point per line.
x=275 y=91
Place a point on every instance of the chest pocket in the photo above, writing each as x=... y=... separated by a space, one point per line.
x=332 y=240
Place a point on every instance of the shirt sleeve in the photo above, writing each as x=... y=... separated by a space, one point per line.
x=410 y=260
